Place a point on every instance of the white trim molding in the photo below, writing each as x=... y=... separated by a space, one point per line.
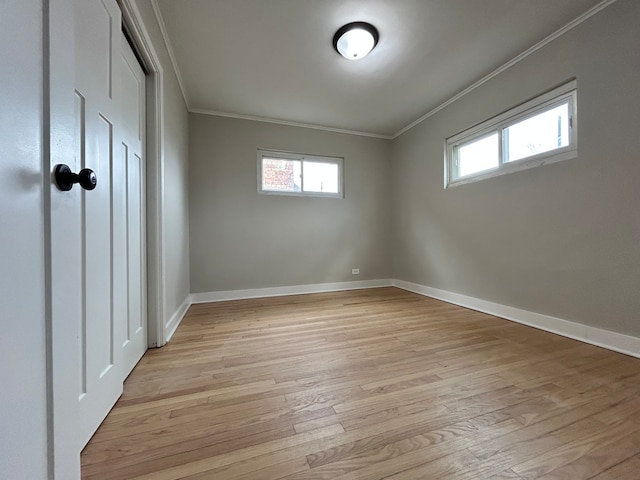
x=169 y=47
x=617 y=342
x=283 y=291
x=155 y=235
x=531 y=50
x=252 y=118
x=172 y=324
x=207 y=297
x=558 y=33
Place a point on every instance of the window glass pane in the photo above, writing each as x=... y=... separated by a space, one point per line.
x=321 y=177
x=541 y=133
x=293 y=174
x=281 y=175
x=478 y=155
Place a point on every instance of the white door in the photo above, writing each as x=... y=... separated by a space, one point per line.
x=95 y=329
x=98 y=66
x=97 y=253
x=129 y=211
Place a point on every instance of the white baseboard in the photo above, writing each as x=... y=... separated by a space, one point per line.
x=291 y=290
x=600 y=337
x=171 y=326
x=617 y=342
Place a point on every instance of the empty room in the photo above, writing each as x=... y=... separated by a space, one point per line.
x=313 y=240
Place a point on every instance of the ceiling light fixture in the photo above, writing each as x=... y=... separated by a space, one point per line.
x=355 y=40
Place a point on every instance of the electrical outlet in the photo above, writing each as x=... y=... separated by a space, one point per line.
x=355 y=271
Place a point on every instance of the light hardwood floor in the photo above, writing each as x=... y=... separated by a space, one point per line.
x=369 y=384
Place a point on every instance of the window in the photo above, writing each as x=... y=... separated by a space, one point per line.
x=282 y=173
x=543 y=130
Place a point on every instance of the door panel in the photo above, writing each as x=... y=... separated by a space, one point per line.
x=97 y=38
x=98 y=270
x=119 y=244
x=109 y=139
x=132 y=131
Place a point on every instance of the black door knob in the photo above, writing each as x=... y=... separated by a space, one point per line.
x=65 y=178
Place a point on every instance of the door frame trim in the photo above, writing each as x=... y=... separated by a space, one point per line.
x=156 y=281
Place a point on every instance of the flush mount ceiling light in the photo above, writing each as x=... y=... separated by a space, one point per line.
x=355 y=40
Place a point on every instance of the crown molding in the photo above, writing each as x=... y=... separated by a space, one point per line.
x=531 y=50
x=287 y=123
x=169 y=47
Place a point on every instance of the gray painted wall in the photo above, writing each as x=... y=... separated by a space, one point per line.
x=242 y=239
x=176 y=201
x=562 y=239
x=23 y=401
x=176 y=184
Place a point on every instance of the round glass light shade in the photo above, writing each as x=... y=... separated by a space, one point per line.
x=355 y=40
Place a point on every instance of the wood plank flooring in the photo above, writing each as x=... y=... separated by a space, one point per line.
x=365 y=385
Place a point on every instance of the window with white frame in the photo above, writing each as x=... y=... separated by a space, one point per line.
x=283 y=173
x=542 y=130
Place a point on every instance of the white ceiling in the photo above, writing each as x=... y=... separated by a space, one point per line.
x=273 y=59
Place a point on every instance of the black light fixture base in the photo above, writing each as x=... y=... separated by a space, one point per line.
x=353 y=26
